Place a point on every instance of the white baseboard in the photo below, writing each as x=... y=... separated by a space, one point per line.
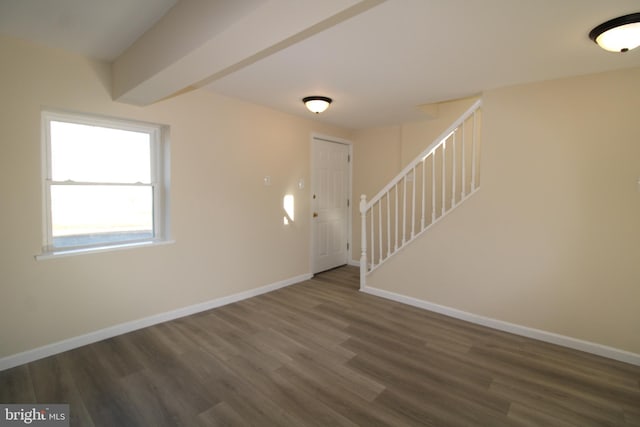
x=112 y=331
x=354 y=263
x=550 y=337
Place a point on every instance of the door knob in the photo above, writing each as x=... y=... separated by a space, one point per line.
x=315 y=214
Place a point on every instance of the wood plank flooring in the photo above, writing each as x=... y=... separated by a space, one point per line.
x=320 y=353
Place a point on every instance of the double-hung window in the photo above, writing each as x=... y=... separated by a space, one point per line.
x=104 y=183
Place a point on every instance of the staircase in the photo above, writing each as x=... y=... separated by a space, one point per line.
x=440 y=179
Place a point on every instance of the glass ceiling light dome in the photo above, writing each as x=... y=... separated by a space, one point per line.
x=618 y=35
x=317 y=104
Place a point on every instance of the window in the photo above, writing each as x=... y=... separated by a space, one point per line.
x=103 y=183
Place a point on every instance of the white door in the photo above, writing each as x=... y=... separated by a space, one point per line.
x=329 y=204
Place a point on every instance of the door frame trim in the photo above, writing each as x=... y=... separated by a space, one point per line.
x=349 y=144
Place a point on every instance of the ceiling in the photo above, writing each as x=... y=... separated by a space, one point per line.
x=95 y=28
x=378 y=62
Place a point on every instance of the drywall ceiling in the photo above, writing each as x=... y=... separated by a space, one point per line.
x=379 y=60
x=100 y=29
x=380 y=65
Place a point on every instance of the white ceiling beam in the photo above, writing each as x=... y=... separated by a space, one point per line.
x=199 y=41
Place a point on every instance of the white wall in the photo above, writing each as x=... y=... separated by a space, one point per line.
x=227 y=226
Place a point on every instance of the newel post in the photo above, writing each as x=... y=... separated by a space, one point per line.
x=363 y=238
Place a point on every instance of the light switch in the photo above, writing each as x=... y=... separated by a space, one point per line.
x=301 y=184
x=266 y=180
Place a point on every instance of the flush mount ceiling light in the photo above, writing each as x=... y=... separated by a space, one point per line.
x=317 y=104
x=618 y=35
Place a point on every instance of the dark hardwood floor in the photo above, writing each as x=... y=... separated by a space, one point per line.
x=320 y=353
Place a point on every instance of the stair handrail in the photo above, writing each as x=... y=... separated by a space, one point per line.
x=444 y=135
x=366 y=206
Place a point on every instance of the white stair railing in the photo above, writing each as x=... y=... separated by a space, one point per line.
x=445 y=174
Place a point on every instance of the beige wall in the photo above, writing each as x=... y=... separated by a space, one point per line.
x=416 y=136
x=227 y=226
x=552 y=239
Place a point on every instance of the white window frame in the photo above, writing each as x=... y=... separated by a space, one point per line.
x=159 y=159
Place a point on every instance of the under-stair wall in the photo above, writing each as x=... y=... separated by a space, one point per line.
x=548 y=247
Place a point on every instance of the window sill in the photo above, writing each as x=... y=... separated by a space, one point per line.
x=111 y=248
